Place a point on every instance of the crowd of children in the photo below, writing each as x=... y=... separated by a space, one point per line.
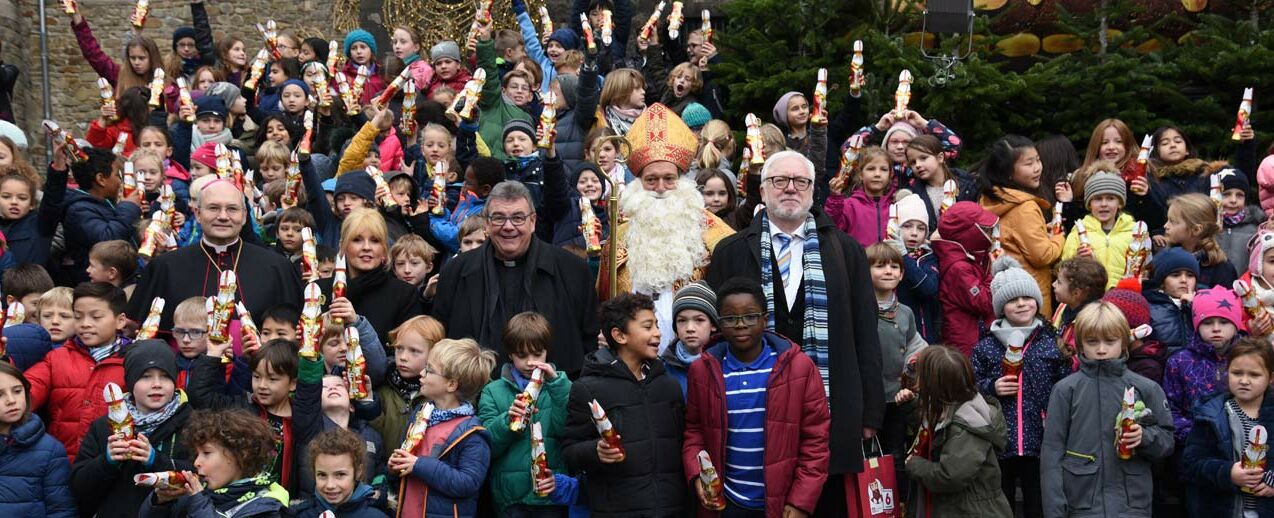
x=1061 y=335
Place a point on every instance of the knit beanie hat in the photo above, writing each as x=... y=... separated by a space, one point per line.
x=148 y=354
x=911 y=207
x=1262 y=243
x=228 y=92
x=1132 y=304
x=902 y=126
x=1174 y=259
x=695 y=115
x=1103 y=182
x=182 y=33
x=566 y=38
x=569 y=85
x=357 y=36
x=696 y=295
x=780 y=108
x=357 y=183
x=206 y=155
x=295 y=82
x=1010 y=281
x=1233 y=179
x=517 y=125
x=1217 y=302
x=444 y=50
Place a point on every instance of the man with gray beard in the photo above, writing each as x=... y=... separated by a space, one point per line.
x=668 y=237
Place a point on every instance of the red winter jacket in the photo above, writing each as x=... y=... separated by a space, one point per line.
x=797 y=426
x=964 y=270
x=103 y=137
x=68 y=384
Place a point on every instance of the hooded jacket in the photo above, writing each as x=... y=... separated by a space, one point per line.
x=962 y=478
x=1109 y=248
x=446 y=480
x=1211 y=451
x=964 y=267
x=34 y=474
x=1192 y=373
x=861 y=215
x=1168 y=182
x=649 y=415
x=510 y=476
x=88 y=220
x=1081 y=473
x=26 y=344
x=67 y=385
x=1023 y=236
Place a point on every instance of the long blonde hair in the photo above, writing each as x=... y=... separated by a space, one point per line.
x=718 y=145
x=1198 y=213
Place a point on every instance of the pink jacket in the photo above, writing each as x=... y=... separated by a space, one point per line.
x=1265 y=179
x=860 y=216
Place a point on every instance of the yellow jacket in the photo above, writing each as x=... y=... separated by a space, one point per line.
x=352 y=159
x=1023 y=236
x=1108 y=249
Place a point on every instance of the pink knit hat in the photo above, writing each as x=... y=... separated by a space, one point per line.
x=206 y=155
x=902 y=126
x=1217 y=302
x=1265 y=182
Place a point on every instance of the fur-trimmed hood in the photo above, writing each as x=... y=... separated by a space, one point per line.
x=1190 y=167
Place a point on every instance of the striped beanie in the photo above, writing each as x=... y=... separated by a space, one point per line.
x=698 y=296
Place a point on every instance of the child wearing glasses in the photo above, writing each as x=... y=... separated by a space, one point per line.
x=190 y=329
x=863 y=213
x=771 y=448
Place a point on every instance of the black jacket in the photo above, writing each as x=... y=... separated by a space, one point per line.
x=106 y=489
x=379 y=297
x=558 y=285
x=857 y=392
x=649 y=416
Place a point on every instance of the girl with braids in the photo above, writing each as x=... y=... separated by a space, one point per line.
x=1192 y=226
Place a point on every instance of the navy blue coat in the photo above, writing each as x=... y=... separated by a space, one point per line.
x=88 y=220
x=1209 y=455
x=1042 y=368
x=31 y=237
x=1171 y=325
x=919 y=291
x=27 y=344
x=35 y=475
x=359 y=505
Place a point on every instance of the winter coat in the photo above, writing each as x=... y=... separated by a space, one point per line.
x=1023 y=236
x=510 y=476
x=26 y=345
x=1234 y=237
x=900 y=342
x=567 y=231
x=860 y=215
x=375 y=459
x=450 y=475
x=1109 y=249
x=394 y=413
x=1210 y=452
x=1148 y=360
x=34 y=474
x=258 y=501
x=67 y=386
x=674 y=367
x=961 y=477
x=649 y=416
x=574 y=123
x=104 y=487
x=1080 y=472
x=30 y=239
x=105 y=67
x=965 y=291
x=375 y=83
x=919 y=291
x=88 y=220
x=496 y=111
x=359 y=505
x=1222 y=274
x=1168 y=182
x=379 y=297
x=854 y=364
x=1192 y=373
x=104 y=137
x=545 y=178
x=1171 y=325
x=560 y=284
x=1042 y=367
x=796 y=425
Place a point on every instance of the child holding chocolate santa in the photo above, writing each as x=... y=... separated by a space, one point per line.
x=1018 y=362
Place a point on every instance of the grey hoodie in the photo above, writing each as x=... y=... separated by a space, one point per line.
x=1081 y=473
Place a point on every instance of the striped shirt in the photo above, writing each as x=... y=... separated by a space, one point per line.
x=745 y=387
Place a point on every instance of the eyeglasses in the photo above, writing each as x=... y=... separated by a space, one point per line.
x=517 y=220
x=781 y=182
x=426 y=372
x=747 y=320
x=188 y=334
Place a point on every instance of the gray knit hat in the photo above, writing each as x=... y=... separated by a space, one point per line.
x=1103 y=182
x=1010 y=282
x=698 y=296
x=444 y=49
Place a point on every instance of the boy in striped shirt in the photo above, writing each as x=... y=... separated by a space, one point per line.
x=771 y=449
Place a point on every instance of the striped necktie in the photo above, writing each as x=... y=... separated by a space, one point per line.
x=784 y=255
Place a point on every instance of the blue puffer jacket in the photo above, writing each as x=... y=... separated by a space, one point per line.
x=88 y=220
x=1042 y=367
x=27 y=344
x=1210 y=453
x=35 y=475
x=1171 y=325
x=359 y=505
x=919 y=291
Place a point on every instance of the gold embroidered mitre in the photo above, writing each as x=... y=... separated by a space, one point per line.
x=660 y=135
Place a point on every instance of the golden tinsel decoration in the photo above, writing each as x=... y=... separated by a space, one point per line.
x=436 y=20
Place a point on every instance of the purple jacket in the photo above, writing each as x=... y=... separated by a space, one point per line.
x=1192 y=374
x=860 y=216
x=101 y=63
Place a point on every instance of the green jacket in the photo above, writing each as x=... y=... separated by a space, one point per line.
x=510 y=471
x=394 y=416
x=964 y=480
x=496 y=112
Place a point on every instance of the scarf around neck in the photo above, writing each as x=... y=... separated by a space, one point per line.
x=621 y=119
x=147 y=422
x=198 y=139
x=814 y=340
x=438 y=416
x=406 y=389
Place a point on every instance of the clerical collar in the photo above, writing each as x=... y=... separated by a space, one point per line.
x=511 y=263
x=220 y=249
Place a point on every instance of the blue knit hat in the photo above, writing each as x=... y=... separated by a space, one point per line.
x=360 y=35
x=1172 y=260
x=183 y=33
x=295 y=82
x=695 y=115
x=357 y=183
x=566 y=37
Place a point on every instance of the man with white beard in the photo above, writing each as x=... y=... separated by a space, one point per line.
x=668 y=236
